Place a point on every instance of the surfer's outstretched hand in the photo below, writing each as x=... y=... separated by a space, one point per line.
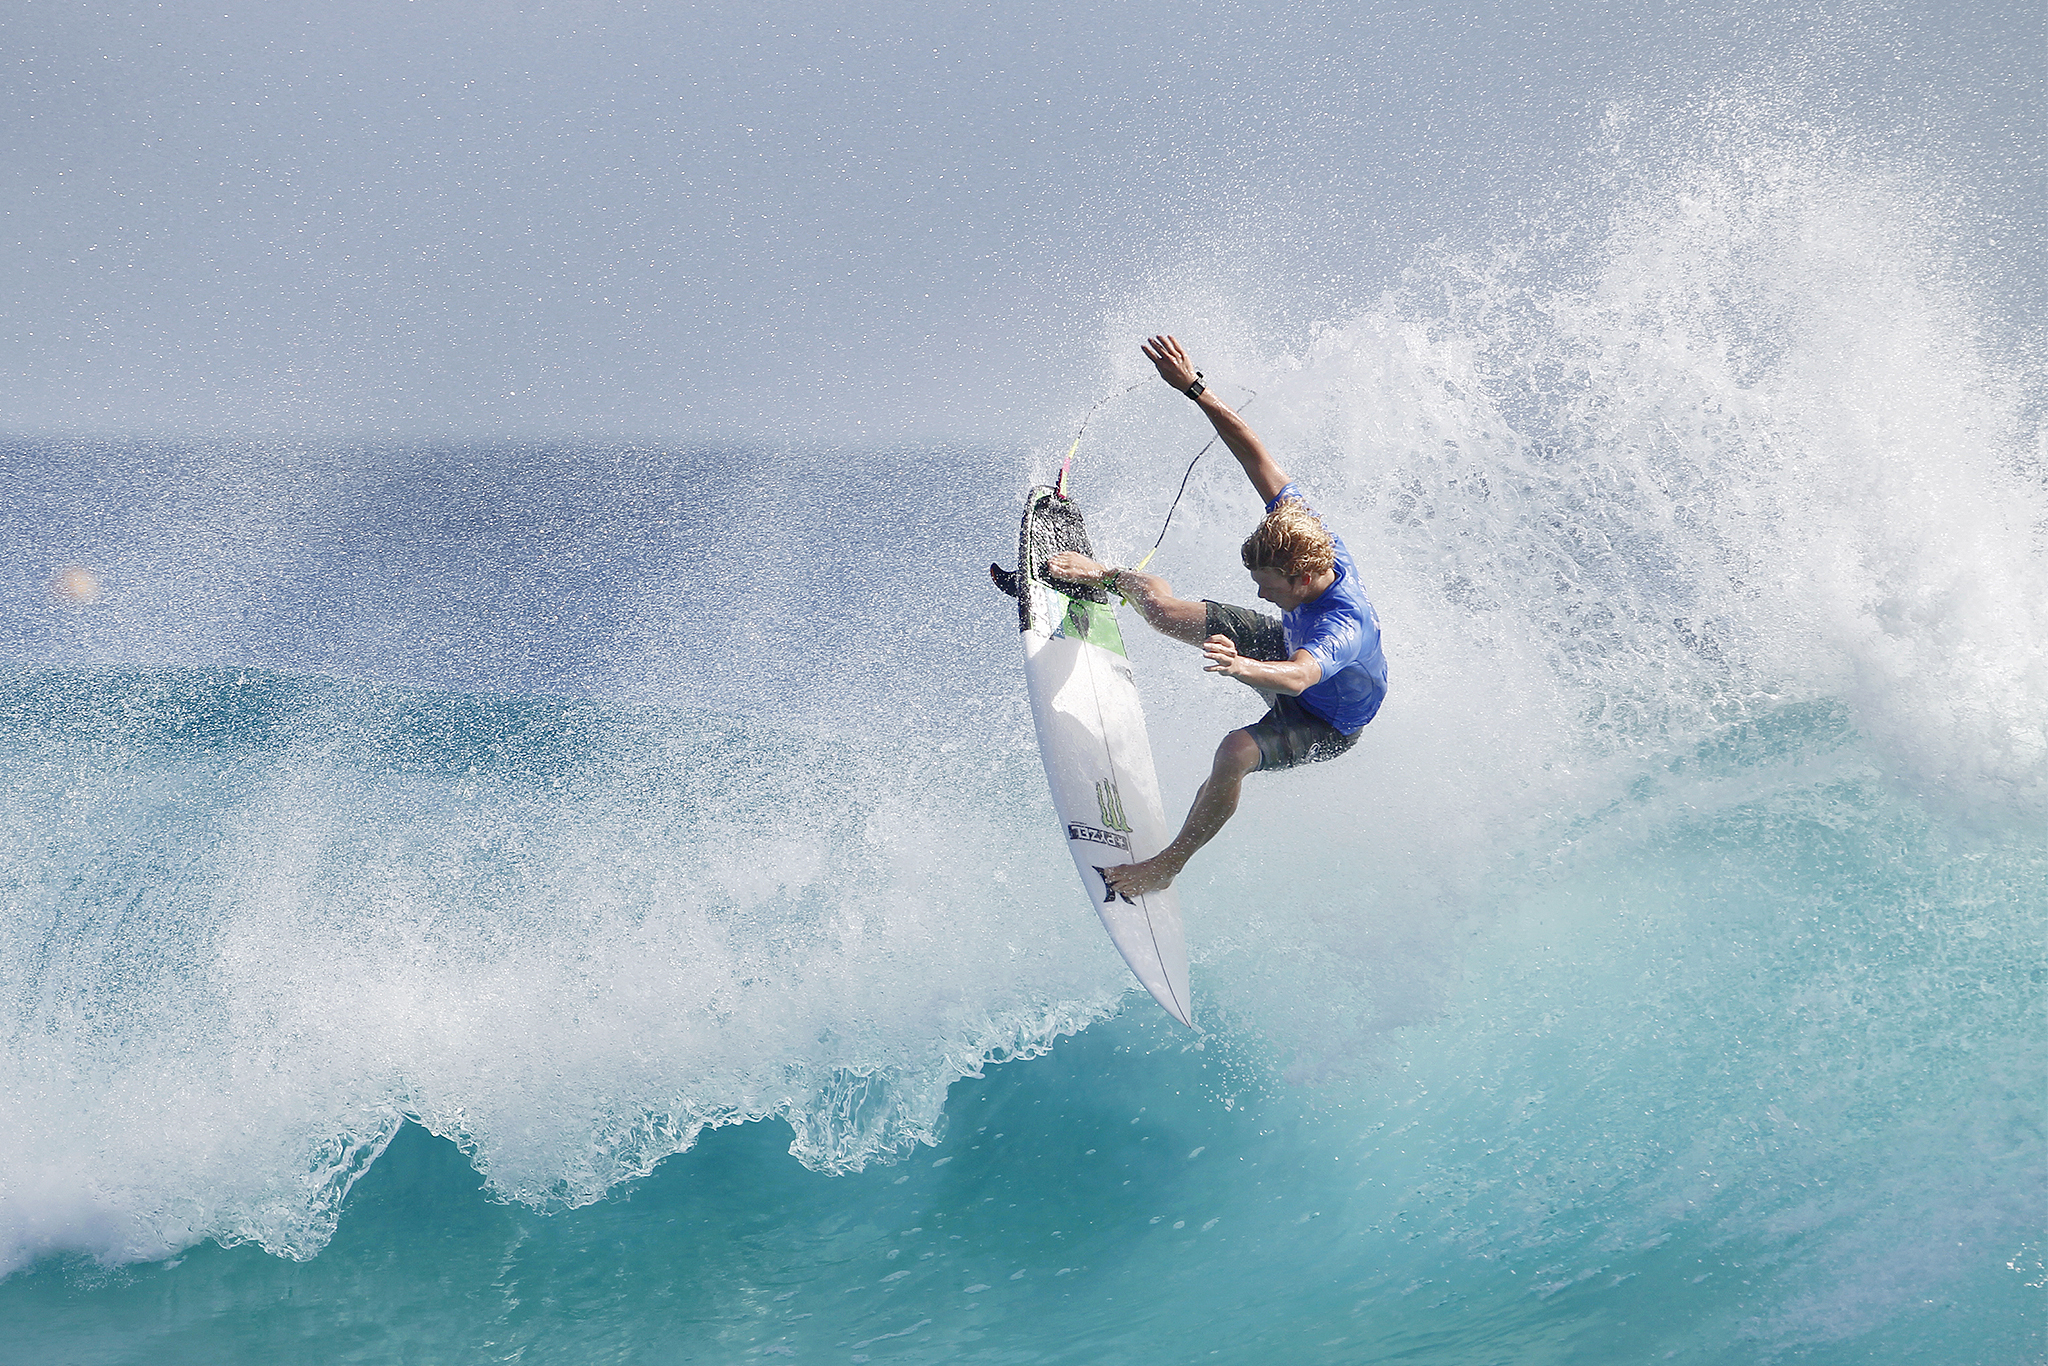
x=1074 y=567
x=1223 y=657
x=1170 y=360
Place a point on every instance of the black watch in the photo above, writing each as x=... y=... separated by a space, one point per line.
x=1195 y=390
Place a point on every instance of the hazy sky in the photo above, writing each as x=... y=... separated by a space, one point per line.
x=814 y=222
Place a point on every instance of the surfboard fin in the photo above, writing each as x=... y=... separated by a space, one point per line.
x=1006 y=579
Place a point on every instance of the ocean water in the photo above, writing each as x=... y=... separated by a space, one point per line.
x=599 y=903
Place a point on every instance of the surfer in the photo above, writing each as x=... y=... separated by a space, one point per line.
x=1318 y=664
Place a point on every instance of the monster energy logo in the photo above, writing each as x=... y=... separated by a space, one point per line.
x=1111 y=805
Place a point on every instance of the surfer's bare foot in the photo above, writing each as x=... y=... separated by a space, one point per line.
x=1155 y=874
x=1074 y=567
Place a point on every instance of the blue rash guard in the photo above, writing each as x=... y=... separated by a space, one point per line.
x=1341 y=632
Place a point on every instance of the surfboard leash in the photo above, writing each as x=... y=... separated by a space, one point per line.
x=1060 y=484
x=1140 y=565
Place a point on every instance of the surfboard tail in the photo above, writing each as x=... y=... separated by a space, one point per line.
x=1147 y=932
x=1170 y=986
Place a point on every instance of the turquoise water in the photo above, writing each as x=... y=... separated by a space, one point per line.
x=490 y=903
x=1744 y=1082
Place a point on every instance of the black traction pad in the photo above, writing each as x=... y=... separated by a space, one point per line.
x=1052 y=523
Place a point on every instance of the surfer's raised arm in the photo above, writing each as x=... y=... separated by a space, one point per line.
x=1176 y=369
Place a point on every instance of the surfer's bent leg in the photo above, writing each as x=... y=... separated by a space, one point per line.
x=1290 y=735
x=1287 y=736
x=1150 y=594
x=1163 y=612
x=1215 y=803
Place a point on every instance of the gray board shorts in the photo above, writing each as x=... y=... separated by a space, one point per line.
x=1289 y=734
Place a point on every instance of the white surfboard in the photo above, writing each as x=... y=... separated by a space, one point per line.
x=1098 y=759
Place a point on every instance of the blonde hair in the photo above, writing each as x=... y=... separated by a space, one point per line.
x=1292 y=540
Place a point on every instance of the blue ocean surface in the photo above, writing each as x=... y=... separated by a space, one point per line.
x=1741 y=1080
x=578 y=902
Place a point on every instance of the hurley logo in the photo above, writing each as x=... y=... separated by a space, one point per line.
x=1111 y=804
x=1109 y=891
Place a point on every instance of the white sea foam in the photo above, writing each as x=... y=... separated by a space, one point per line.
x=238 y=971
